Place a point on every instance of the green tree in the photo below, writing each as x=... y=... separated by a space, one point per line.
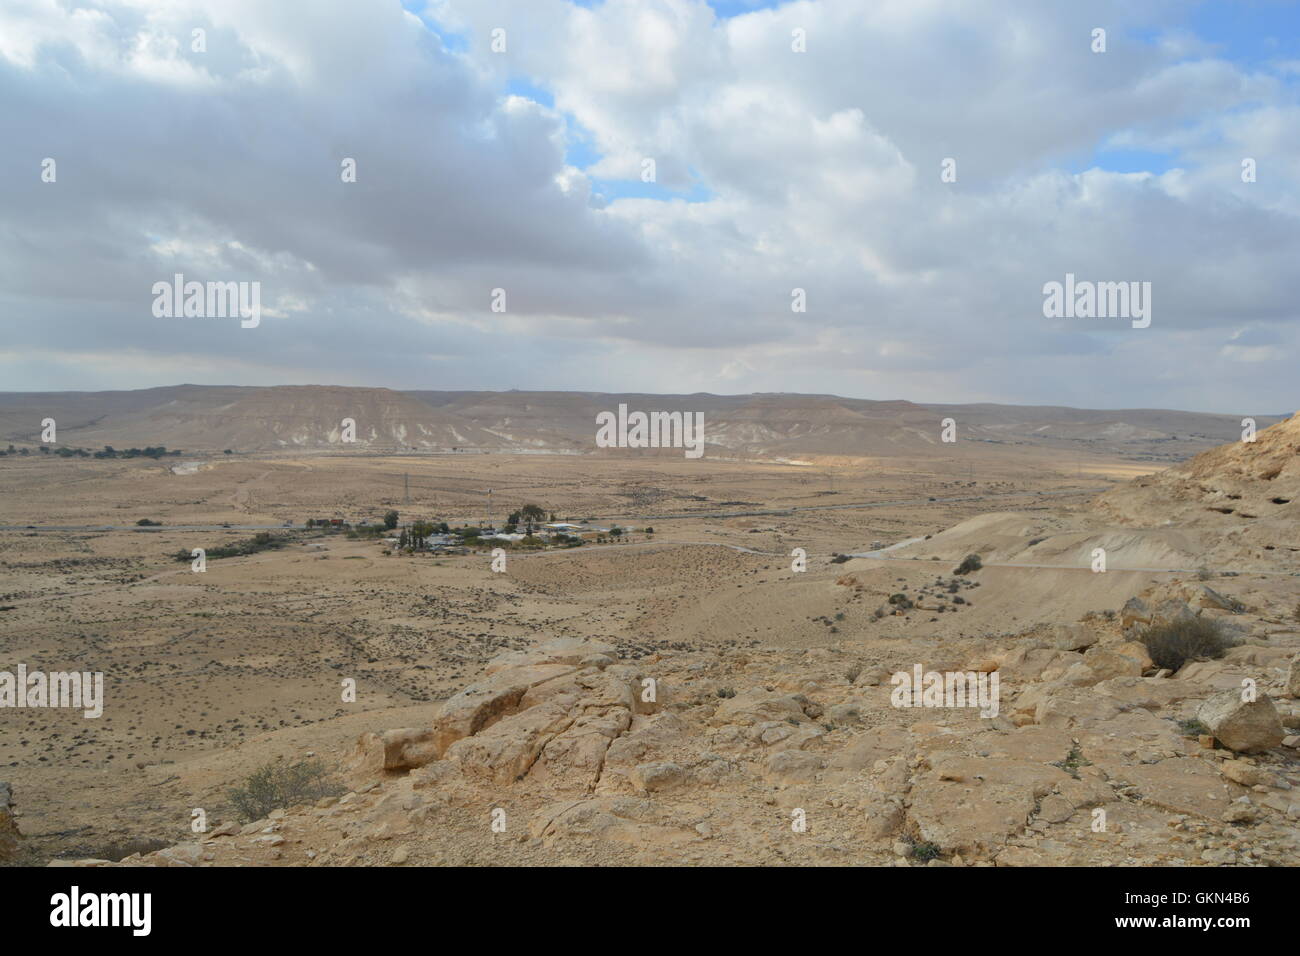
x=420 y=532
x=531 y=515
x=390 y=520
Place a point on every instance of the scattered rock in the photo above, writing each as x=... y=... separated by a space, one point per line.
x=1239 y=725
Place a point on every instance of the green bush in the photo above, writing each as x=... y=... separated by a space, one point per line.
x=1172 y=644
x=968 y=564
x=924 y=852
x=280 y=785
x=262 y=541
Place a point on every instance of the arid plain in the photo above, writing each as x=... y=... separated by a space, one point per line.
x=772 y=687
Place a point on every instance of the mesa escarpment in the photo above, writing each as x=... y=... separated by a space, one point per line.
x=290 y=419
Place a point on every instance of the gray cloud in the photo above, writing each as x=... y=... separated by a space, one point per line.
x=820 y=171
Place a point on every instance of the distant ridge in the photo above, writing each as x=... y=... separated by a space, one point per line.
x=770 y=425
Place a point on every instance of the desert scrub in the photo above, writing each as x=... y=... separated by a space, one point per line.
x=1073 y=761
x=279 y=785
x=1172 y=644
x=968 y=564
x=925 y=852
x=1191 y=727
x=262 y=541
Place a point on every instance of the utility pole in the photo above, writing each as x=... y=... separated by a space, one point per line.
x=489 y=514
x=407 y=479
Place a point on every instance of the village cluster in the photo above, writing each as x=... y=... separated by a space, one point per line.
x=524 y=529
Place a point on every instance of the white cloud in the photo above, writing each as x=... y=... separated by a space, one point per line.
x=819 y=170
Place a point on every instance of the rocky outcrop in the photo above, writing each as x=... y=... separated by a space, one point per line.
x=771 y=755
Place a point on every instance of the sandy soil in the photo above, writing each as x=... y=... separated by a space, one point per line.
x=209 y=676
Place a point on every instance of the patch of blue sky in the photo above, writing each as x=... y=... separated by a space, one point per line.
x=1120 y=160
x=1249 y=33
x=452 y=41
x=736 y=8
x=580 y=151
x=521 y=86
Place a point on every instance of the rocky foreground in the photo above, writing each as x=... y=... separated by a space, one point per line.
x=564 y=753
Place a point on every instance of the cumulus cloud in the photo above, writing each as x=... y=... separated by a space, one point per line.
x=521 y=169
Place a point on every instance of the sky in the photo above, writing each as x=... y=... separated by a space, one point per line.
x=859 y=197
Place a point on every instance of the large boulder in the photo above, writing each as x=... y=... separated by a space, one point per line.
x=1239 y=725
x=1108 y=661
x=1071 y=637
x=1163 y=605
x=394 y=750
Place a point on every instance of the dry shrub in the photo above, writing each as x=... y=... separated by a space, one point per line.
x=1172 y=644
x=280 y=785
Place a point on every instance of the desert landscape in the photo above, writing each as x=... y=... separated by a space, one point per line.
x=685 y=661
x=446 y=439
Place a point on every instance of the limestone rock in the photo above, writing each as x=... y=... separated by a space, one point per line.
x=793 y=766
x=1239 y=725
x=393 y=750
x=654 y=777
